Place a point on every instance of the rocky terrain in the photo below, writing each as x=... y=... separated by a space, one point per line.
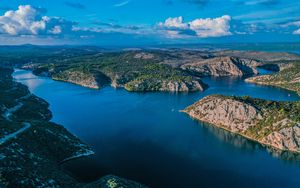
x=141 y=70
x=275 y=124
x=222 y=66
x=134 y=71
x=32 y=148
x=287 y=78
x=259 y=55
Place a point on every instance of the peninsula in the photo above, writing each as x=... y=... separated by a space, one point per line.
x=275 y=124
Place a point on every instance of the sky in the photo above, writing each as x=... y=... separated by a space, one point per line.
x=140 y=22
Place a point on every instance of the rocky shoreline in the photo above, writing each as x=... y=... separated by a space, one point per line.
x=288 y=77
x=270 y=123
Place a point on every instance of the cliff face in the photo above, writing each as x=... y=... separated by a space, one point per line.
x=165 y=85
x=228 y=113
x=270 y=123
x=83 y=78
x=77 y=77
x=222 y=66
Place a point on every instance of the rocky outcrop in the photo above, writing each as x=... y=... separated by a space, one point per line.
x=286 y=138
x=228 y=113
x=78 y=77
x=143 y=55
x=165 y=85
x=173 y=86
x=222 y=66
x=267 y=122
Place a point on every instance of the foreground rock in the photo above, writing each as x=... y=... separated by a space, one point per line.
x=223 y=66
x=275 y=124
x=32 y=148
x=287 y=78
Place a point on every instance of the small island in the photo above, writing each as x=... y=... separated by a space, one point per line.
x=274 y=124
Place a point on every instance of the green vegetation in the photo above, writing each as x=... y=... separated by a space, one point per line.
x=288 y=78
x=273 y=112
x=123 y=69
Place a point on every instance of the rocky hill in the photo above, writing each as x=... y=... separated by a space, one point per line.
x=222 y=66
x=32 y=148
x=134 y=71
x=275 y=124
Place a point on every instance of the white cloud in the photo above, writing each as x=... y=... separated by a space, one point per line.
x=211 y=27
x=297 y=32
x=56 y=30
x=28 y=20
x=203 y=28
x=176 y=22
x=292 y=26
x=122 y=3
x=295 y=23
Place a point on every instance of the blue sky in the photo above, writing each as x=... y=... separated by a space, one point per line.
x=140 y=22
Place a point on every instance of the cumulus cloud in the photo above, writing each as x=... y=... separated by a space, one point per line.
x=28 y=20
x=174 y=23
x=211 y=27
x=203 y=28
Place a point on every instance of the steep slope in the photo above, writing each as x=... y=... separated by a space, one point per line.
x=275 y=124
x=222 y=66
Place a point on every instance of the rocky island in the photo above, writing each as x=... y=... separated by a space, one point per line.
x=274 y=124
x=32 y=148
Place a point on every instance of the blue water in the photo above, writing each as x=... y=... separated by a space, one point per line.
x=144 y=137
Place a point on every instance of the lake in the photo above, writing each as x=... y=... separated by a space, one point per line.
x=144 y=137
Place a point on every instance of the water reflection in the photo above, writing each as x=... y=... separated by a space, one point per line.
x=249 y=145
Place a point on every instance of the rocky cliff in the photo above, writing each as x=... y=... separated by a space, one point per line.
x=165 y=85
x=83 y=78
x=77 y=77
x=270 y=123
x=222 y=66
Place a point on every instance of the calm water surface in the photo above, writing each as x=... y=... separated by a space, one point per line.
x=144 y=137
